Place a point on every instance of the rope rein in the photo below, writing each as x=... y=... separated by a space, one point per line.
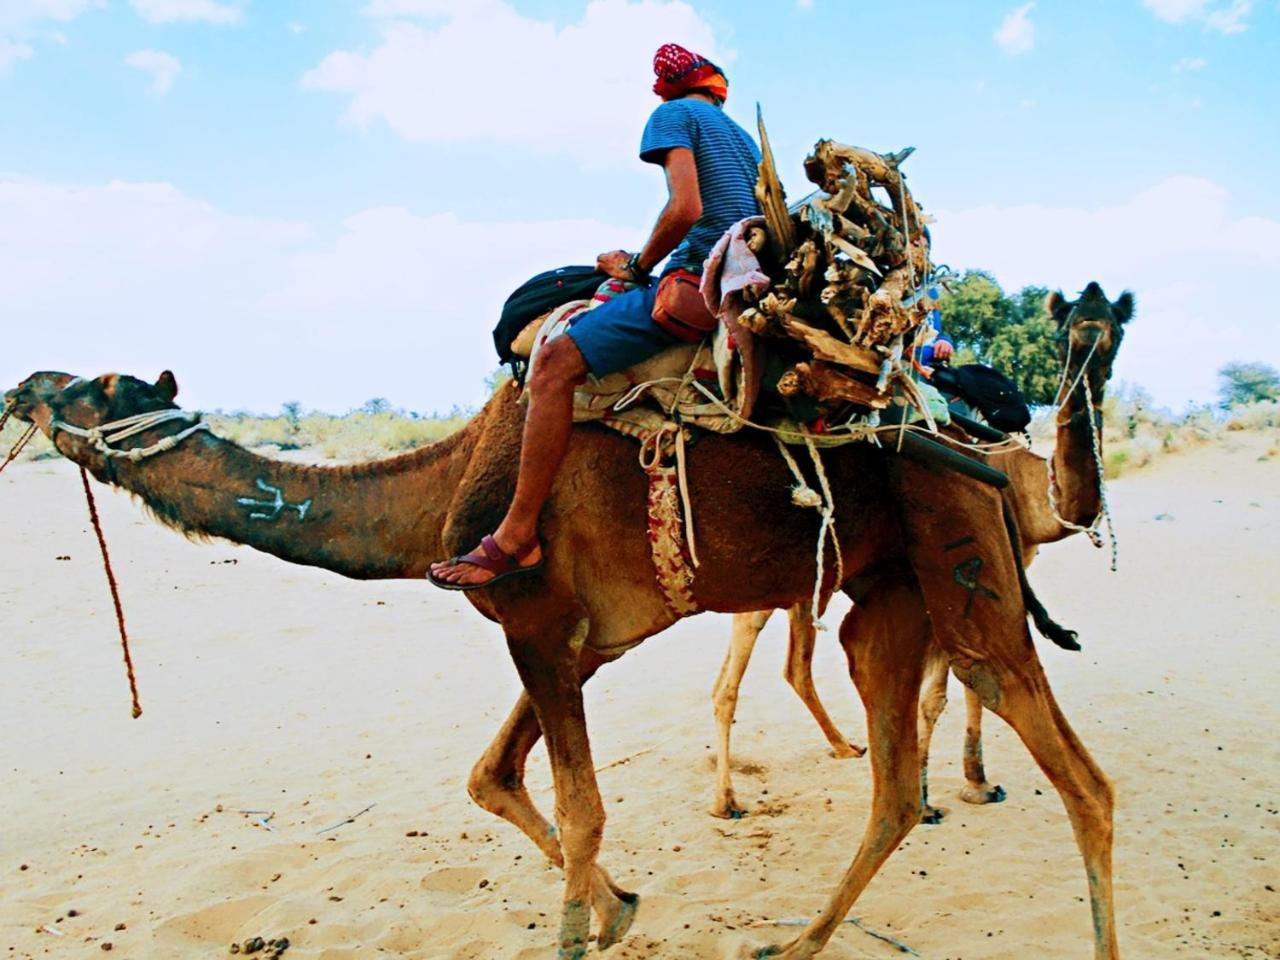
x=115 y=592
x=1095 y=437
x=103 y=436
x=27 y=436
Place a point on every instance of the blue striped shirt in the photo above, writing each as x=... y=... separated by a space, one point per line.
x=727 y=160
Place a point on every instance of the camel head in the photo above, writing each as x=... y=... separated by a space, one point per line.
x=29 y=400
x=51 y=400
x=1090 y=330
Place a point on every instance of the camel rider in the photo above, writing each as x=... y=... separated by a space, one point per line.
x=711 y=168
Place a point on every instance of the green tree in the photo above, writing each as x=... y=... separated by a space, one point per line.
x=1012 y=334
x=376 y=406
x=973 y=314
x=1248 y=382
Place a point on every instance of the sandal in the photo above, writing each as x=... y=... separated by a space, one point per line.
x=491 y=557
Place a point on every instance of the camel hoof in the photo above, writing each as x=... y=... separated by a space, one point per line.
x=932 y=815
x=728 y=810
x=616 y=921
x=847 y=751
x=983 y=794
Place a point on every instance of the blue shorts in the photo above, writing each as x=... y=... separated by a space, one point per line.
x=620 y=333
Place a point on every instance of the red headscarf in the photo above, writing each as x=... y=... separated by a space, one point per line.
x=679 y=70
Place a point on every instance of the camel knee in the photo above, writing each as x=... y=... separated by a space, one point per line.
x=725 y=700
x=488 y=786
x=932 y=705
x=799 y=674
x=582 y=832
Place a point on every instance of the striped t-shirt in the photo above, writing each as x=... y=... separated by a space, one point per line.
x=727 y=160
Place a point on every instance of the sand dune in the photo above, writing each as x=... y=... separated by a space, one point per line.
x=305 y=699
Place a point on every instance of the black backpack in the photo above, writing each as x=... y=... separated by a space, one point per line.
x=538 y=295
x=995 y=395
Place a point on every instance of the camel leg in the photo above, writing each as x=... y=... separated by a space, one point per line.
x=724 y=697
x=548 y=667
x=933 y=700
x=976 y=789
x=799 y=673
x=887 y=664
x=1019 y=692
x=497 y=785
x=966 y=568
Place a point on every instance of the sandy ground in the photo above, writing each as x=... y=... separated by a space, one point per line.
x=290 y=691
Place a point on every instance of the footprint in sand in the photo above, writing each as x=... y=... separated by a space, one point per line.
x=453 y=880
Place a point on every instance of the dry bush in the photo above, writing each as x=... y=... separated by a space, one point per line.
x=355 y=436
x=1136 y=434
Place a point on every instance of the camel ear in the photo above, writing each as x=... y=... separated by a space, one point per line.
x=1123 y=307
x=167 y=386
x=1057 y=307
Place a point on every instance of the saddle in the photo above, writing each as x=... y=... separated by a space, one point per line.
x=707 y=384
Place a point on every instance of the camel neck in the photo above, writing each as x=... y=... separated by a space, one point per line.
x=1075 y=468
x=368 y=521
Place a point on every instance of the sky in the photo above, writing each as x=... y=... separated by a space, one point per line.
x=325 y=201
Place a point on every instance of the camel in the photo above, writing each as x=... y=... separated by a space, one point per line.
x=597 y=596
x=1078 y=498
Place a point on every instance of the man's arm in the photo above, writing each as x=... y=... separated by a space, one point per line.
x=684 y=207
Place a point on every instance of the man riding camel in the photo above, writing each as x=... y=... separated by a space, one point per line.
x=711 y=167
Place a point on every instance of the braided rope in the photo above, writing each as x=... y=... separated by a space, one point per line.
x=103 y=436
x=115 y=592
x=803 y=495
x=1095 y=437
x=23 y=440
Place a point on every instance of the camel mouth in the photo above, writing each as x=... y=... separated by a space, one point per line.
x=1089 y=333
x=37 y=390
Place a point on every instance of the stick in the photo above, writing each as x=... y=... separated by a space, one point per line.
x=609 y=766
x=350 y=819
x=115 y=593
x=802 y=922
x=627 y=759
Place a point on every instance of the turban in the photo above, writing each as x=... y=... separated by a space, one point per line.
x=679 y=70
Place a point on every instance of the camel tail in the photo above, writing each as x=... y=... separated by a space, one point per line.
x=1048 y=627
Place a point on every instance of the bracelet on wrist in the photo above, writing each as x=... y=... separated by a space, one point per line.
x=638 y=273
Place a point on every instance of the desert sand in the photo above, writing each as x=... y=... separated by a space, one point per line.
x=310 y=700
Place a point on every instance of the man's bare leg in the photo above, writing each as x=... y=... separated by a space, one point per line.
x=548 y=424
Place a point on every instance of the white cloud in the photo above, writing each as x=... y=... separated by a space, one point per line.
x=297 y=27
x=1224 y=17
x=252 y=312
x=1176 y=245
x=19 y=13
x=431 y=8
x=492 y=74
x=804 y=4
x=176 y=11
x=162 y=67
x=1190 y=65
x=1016 y=34
x=20 y=19
x=11 y=52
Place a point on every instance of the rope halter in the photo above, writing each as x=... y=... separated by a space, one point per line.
x=1092 y=531
x=103 y=436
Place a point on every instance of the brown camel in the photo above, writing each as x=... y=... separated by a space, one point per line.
x=598 y=597
x=1075 y=486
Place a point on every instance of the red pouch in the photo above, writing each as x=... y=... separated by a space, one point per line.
x=679 y=308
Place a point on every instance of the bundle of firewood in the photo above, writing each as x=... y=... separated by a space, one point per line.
x=849 y=267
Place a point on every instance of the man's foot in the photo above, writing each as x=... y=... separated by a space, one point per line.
x=488 y=564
